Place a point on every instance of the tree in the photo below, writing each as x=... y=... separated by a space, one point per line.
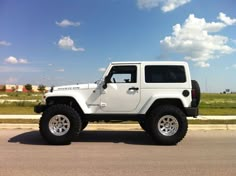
x=3 y=88
x=28 y=87
x=13 y=89
x=41 y=88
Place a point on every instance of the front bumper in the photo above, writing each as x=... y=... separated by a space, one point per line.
x=192 y=112
x=40 y=108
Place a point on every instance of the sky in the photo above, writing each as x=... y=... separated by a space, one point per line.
x=61 y=42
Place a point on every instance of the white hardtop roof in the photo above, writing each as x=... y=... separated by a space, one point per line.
x=151 y=62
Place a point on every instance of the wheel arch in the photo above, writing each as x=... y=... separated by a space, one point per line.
x=67 y=100
x=166 y=101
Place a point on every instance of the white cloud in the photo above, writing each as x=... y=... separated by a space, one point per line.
x=22 y=61
x=13 y=60
x=196 y=40
x=203 y=64
x=68 y=43
x=234 y=66
x=170 y=5
x=166 y=5
x=227 y=20
x=66 y=23
x=102 y=69
x=60 y=70
x=148 y=4
x=4 y=43
x=230 y=67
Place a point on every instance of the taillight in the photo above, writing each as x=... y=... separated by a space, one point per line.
x=193 y=93
x=194 y=98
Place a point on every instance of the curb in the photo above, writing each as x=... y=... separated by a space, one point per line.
x=212 y=127
x=123 y=127
x=119 y=127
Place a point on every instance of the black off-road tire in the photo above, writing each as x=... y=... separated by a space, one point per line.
x=143 y=124
x=72 y=124
x=169 y=115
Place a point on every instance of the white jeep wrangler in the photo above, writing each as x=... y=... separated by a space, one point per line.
x=159 y=95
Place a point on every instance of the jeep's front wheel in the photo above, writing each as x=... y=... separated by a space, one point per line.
x=168 y=125
x=143 y=125
x=84 y=124
x=59 y=124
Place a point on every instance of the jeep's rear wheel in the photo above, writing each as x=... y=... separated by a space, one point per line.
x=168 y=125
x=59 y=124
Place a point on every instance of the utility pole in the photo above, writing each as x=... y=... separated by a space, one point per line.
x=206 y=86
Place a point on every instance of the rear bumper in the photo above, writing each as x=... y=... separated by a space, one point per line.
x=191 y=112
x=40 y=108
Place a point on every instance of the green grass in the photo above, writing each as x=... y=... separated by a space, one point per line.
x=197 y=121
x=218 y=104
x=20 y=96
x=16 y=110
x=218 y=100
x=211 y=104
x=217 y=111
x=20 y=121
x=23 y=106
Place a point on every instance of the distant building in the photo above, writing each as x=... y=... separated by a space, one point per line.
x=10 y=88
x=35 y=88
x=19 y=88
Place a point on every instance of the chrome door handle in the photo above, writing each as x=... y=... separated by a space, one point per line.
x=133 y=88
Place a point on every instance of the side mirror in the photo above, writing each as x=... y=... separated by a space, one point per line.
x=106 y=80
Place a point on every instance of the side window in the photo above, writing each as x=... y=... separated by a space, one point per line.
x=165 y=74
x=123 y=74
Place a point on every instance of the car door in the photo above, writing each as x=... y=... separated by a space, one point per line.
x=122 y=93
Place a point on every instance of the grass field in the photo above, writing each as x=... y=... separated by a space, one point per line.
x=20 y=96
x=19 y=103
x=211 y=104
x=218 y=104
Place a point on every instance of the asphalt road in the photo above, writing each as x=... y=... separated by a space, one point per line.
x=126 y=153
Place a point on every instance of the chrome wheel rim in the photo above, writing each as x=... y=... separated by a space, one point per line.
x=168 y=125
x=59 y=125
